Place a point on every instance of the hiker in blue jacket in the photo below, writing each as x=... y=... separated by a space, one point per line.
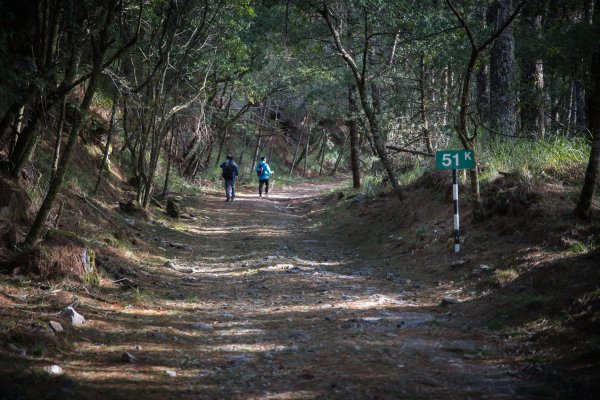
x=230 y=173
x=264 y=172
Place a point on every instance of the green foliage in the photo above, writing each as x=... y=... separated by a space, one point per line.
x=141 y=297
x=371 y=185
x=585 y=246
x=556 y=157
x=91 y=277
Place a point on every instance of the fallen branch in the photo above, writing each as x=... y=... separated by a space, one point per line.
x=416 y=152
x=105 y=216
x=95 y=296
x=99 y=212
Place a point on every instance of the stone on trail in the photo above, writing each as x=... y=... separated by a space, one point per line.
x=56 y=326
x=448 y=300
x=160 y=335
x=173 y=209
x=204 y=327
x=54 y=369
x=458 y=263
x=294 y=270
x=171 y=373
x=74 y=317
x=19 y=350
x=128 y=357
x=131 y=207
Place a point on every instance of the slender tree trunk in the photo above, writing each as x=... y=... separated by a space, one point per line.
x=354 y=139
x=482 y=73
x=107 y=145
x=579 y=117
x=322 y=153
x=590 y=181
x=503 y=103
x=532 y=78
x=445 y=94
x=221 y=144
x=57 y=143
x=5 y=123
x=169 y=156
x=340 y=155
x=306 y=149
x=368 y=108
x=483 y=92
x=423 y=109
x=467 y=140
x=26 y=141
x=302 y=127
x=263 y=118
x=56 y=181
x=555 y=102
x=271 y=141
x=245 y=145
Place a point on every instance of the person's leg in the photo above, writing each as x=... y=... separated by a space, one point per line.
x=260 y=186
x=227 y=189
x=232 y=189
x=266 y=187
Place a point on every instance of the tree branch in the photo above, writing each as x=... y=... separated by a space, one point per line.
x=416 y=152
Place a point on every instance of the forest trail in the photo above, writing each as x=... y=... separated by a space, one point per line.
x=257 y=304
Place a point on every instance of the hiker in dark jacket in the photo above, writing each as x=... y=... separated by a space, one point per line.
x=264 y=172
x=230 y=173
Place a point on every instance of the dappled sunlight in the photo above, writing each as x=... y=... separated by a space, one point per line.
x=256 y=303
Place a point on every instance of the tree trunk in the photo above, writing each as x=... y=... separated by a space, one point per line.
x=306 y=150
x=555 y=96
x=532 y=78
x=483 y=93
x=468 y=141
x=263 y=118
x=368 y=108
x=169 y=156
x=5 y=123
x=302 y=127
x=107 y=145
x=56 y=181
x=503 y=104
x=340 y=155
x=322 y=153
x=57 y=143
x=579 y=117
x=590 y=181
x=354 y=139
x=221 y=144
x=444 y=95
x=423 y=109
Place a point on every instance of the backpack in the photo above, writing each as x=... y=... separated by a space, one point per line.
x=228 y=170
x=259 y=170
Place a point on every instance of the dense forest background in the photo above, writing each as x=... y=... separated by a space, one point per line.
x=184 y=82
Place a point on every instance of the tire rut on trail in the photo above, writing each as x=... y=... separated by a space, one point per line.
x=262 y=305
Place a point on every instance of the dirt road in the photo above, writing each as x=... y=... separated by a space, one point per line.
x=261 y=303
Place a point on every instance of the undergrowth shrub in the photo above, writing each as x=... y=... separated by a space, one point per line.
x=557 y=157
x=372 y=185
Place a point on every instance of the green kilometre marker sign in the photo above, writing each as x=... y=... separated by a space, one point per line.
x=455 y=159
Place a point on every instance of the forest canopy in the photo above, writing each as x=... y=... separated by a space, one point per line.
x=320 y=86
